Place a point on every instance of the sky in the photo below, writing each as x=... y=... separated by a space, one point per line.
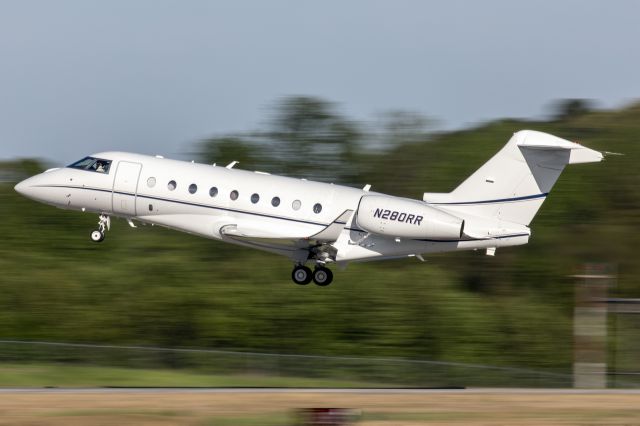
x=156 y=76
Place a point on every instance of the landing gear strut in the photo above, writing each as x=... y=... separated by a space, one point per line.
x=103 y=225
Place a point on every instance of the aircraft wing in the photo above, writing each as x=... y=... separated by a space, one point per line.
x=287 y=236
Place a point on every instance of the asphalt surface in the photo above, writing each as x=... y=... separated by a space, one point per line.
x=116 y=390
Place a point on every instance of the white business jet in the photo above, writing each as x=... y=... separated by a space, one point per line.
x=311 y=222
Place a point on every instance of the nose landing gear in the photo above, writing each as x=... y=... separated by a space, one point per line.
x=104 y=224
x=302 y=275
x=97 y=236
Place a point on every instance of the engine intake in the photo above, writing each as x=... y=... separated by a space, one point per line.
x=400 y=217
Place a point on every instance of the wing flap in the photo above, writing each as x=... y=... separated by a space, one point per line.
x=288 y=235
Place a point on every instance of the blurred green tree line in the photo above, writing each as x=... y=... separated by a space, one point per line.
x=151 y=286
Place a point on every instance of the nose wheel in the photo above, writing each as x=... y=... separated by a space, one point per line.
x=97 y=236
x=104 y=224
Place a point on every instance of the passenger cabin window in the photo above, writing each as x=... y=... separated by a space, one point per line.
x=275 y=201
x=213 y=191
x=255 y=198
x=296 y=205
x=172 y=185
x=234 y=195
x=317 y=208
x=193 y=188
x=151 y=182
x=92 y=164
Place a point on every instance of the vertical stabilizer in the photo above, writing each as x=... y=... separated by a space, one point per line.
x=514 y=183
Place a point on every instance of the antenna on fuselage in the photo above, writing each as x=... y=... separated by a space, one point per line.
x=232 y=164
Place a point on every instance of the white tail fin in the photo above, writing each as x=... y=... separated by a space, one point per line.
x=513 y=184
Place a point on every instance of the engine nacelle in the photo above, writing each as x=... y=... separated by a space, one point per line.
x=398 y=217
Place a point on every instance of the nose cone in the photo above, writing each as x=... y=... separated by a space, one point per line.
x=45 y=188
x=29 y=187
x=22 y=188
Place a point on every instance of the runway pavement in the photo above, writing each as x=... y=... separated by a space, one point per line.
x=376 y=391
x=281 y=406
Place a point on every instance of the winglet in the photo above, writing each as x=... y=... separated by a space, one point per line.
x=332 y=232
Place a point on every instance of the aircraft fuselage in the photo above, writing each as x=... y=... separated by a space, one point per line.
x=201 y=199
x=312 y=221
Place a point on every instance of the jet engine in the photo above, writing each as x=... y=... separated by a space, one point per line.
x=399 y=217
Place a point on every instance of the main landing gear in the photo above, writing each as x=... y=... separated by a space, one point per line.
x=302 y=275
x=103 y=225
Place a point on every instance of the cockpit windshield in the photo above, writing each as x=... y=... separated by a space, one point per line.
x=92 y=164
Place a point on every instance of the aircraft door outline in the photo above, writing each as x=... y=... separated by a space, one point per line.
x=125 y=188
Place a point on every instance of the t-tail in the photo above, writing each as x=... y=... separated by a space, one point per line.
x=514 y=183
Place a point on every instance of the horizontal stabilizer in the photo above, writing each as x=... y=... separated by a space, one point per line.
x=543 y=141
